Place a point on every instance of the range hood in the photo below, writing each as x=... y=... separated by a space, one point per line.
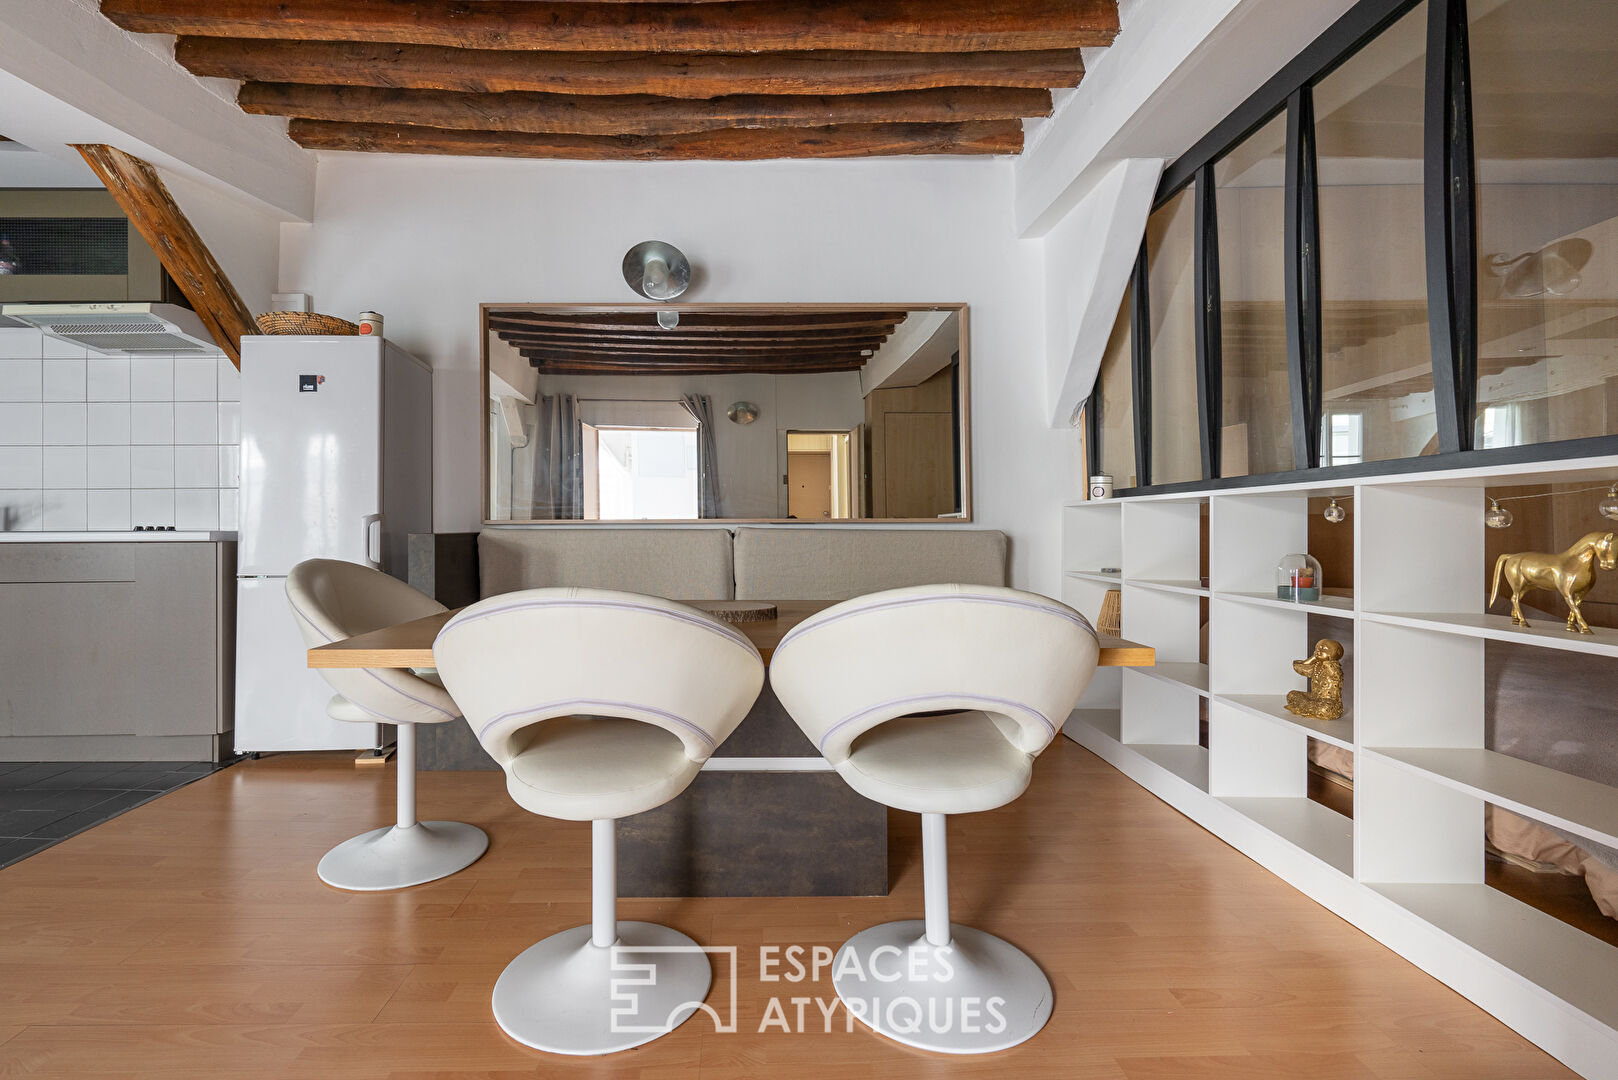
x=118 y=329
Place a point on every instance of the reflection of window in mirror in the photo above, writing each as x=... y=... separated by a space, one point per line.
x=640 y=474
x=789 y=413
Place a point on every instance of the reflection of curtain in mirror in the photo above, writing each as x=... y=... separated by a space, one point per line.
x=699 y=406
x=558 y=459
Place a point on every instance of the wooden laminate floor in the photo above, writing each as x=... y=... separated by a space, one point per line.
x=190 y=938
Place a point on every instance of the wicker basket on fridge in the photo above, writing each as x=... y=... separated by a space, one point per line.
x=305 y=323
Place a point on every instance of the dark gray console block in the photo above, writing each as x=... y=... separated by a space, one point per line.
x=757 y=834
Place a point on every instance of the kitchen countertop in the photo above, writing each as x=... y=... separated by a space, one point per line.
x=25 y=537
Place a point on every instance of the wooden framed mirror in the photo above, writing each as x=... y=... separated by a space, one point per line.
x=737 y=413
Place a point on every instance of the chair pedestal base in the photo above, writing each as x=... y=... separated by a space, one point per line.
x=567 y=996
x=976 y=995
x=395 y=857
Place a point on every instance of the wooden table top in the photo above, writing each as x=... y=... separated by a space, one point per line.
x=410 y=644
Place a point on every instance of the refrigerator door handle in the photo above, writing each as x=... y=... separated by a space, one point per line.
x=373 y=557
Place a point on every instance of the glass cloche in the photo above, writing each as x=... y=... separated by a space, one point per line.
x=1298 y=579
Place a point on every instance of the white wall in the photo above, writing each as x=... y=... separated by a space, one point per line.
x=425 y=240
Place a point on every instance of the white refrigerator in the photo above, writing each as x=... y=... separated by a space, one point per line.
x=337 y=461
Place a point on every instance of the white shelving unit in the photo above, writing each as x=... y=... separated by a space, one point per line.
x=1408 y=868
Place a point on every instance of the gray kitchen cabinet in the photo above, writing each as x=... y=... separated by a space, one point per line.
x=116 y=651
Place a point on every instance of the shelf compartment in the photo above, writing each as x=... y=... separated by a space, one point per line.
x=1193 y=677
x=1189 y=763
x=1546 y=633
x=1557 y=798
x=1306 y=824
x=1565 y=961
x=1190 y=588
x=1341 y=607
x=1108 y=722
x=1274 y=707
x=1096 y=575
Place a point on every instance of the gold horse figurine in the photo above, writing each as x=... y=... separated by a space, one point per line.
x=1572 y=574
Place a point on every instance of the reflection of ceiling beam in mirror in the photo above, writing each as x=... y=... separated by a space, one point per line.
x=673 y=337
x=694 y=369
x=657 y=366
x=655 y=363
x=708 y=342
x=749 y=348
x=692 y=320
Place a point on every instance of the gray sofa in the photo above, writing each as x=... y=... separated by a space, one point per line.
x=754 y=563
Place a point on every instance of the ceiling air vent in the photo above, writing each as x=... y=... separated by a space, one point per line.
x=117 y=329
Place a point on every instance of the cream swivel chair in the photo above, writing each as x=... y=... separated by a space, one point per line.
x=598 y=705
x=936 y=700
x=332 y=600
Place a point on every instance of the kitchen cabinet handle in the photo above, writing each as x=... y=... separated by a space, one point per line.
x=374 y=561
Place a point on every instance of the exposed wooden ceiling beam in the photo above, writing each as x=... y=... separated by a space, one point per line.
x=848 y=140
x=758 y=26
x=701 y=75
x=145 y=200
x=707 y=321
x=636 y=114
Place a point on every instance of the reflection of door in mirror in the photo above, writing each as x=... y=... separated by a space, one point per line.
x=820 y=475
x=913 y=466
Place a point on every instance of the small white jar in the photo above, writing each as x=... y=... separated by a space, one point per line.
x=1101 y=486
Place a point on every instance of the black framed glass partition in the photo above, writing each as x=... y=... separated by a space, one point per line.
x=1255 y=415
x=1170 y=273
x=1401 y=253
x=1545 y=137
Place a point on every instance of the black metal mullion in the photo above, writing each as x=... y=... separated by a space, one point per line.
x=1210 y=344
x=1302 y=277
x=1092 y=431
x=1140 y=340
x=1450 y=205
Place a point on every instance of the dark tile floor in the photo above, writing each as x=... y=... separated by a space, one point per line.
x=45 y=802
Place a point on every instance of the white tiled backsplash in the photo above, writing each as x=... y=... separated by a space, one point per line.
x=114 y=442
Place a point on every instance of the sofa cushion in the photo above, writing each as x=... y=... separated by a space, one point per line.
x=680 y=564
x=836 y=564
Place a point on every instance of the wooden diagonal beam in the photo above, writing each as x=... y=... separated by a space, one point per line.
x=636 y=114
x=775 y=26
x=847 y=140
x=677 y=75
x=146 y=201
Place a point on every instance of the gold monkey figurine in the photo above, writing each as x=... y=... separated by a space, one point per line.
x=1324 y=670
x=1571 y=574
